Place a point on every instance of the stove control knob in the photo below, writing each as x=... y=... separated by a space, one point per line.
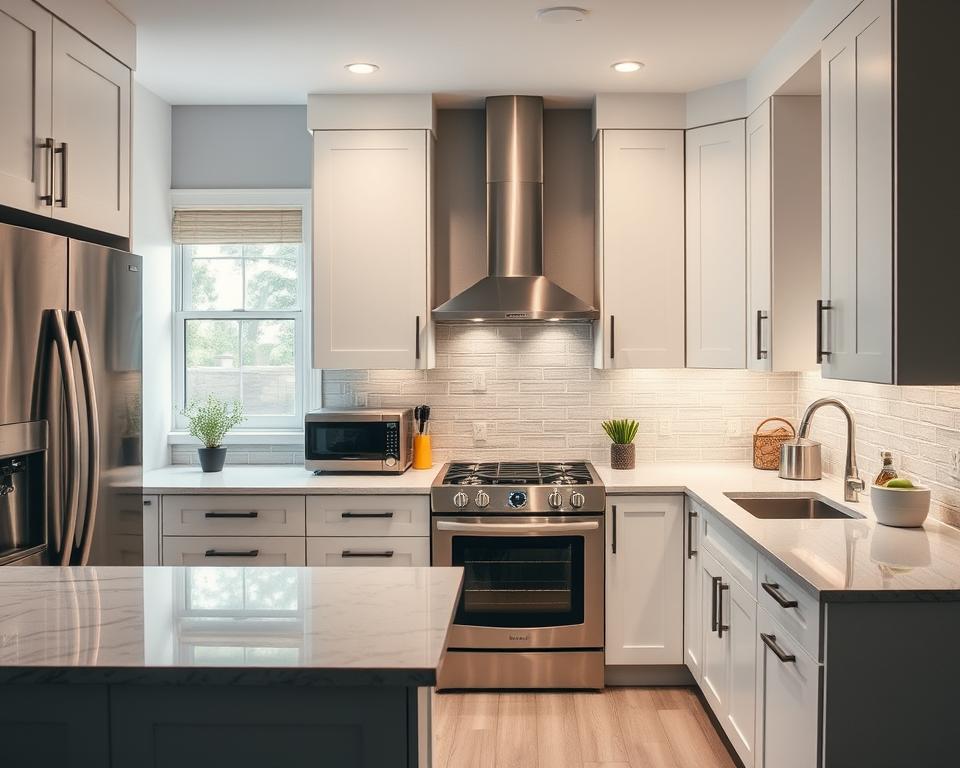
x=555 y=500
x=460 y=500
x=482 y=499
x=577 y=500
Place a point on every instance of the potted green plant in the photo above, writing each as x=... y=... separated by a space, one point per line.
x=623 y=453
x=209 y=422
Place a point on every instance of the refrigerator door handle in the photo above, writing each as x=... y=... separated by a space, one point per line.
x=71 y=404
x=78 y=334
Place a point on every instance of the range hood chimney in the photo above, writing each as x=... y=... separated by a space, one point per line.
x=515 y=288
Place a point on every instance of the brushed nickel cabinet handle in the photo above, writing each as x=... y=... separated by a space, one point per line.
x=771 y=642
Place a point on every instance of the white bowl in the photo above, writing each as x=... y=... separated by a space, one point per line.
x=900 y=507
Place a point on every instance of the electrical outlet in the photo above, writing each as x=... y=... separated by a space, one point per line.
x=664 y=427
x=733 y=427
x=479 y=381
x=955 y=463
x=479 y=432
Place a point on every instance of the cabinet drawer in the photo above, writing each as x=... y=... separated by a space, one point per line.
x=233 y=515
x=238 y=551
x=777 y=594
x=368 y=550
x=368 y=515
x=732 y=551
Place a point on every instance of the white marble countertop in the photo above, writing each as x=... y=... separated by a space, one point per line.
x=314 y=625
x=850 y=559
x=282 y=478
x=855 y=558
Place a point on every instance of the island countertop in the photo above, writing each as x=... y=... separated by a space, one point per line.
x=305 y=626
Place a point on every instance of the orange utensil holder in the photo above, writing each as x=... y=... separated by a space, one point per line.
x=422 y=452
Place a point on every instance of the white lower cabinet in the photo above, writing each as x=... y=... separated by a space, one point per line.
x=788 y=699
x=644 y=570
x=728 y=680
x=692 y=624
x=368 y=550
x=234 y=550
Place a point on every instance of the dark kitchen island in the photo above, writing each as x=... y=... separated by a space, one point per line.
x=185 y=667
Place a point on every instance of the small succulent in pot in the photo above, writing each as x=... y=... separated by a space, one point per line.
x=209 y=422
x=623 y=453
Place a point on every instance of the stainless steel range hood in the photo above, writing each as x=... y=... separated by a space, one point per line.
x=515 y=288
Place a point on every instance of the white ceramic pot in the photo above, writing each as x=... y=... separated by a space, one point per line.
x=900 y=507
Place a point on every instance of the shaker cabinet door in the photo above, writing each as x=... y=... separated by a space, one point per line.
x=716 y=247
x=25 y=39
x=641 y=245
x=759 y=241
x=370 y=249
x=857 y=249
x=644 y=594
x=91 y=126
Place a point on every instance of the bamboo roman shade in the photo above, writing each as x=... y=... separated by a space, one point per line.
x=237 y=225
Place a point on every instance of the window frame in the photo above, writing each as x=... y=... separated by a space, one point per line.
x=239 y=199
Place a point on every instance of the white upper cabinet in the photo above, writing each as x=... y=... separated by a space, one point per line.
x=65 y=133
x=857 y=290
x=716 y=248
x=783 y=233
x=25 y=32
x=91 y=127
x=371 y=248
x=640 y=249
x=759 y=251
x=644 y=592
x=890 y=196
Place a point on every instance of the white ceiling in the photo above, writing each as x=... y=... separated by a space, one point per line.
x=277 y=51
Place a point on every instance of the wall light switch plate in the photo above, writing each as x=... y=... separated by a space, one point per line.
x=955 y=463
x=479 y=432
x=479 y=381
x=664 y=427
x=733 y=427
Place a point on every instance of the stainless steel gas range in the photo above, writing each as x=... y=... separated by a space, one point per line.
x=529 y=536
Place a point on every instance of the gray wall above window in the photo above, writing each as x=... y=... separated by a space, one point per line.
x=241 y=147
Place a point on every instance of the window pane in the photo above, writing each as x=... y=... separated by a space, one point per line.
x=213 y=277
x=272 y=589
x=269 y=354
x=212 y=351
x=271 y=283
x=214 y=589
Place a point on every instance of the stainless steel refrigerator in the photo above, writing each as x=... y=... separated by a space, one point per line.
x=70 y=402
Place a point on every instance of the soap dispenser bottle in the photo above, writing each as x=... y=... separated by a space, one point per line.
x=887 y=472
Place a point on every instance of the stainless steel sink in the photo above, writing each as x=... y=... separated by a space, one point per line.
x=790 y=507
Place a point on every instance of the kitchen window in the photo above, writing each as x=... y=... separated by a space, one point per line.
x=240 y=282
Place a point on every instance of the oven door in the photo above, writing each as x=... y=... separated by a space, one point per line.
x=350 y=445
x=527 y=583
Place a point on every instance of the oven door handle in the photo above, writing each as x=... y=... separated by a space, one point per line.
x=446 y=525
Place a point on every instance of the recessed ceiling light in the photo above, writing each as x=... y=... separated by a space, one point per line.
x=361 y=68
x=562 y=14
x=627 y=66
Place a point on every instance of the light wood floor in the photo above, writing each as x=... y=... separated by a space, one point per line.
x=618 y=728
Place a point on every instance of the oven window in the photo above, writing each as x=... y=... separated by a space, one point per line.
x=520 y=581
x=349 y=439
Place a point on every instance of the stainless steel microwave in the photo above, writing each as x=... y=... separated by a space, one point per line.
x=358 y=440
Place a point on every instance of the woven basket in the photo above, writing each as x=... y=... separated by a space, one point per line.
x=766 y=445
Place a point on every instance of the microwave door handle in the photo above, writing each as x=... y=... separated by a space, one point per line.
x=78 y=334
x=71 y=405
x=499 y=528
